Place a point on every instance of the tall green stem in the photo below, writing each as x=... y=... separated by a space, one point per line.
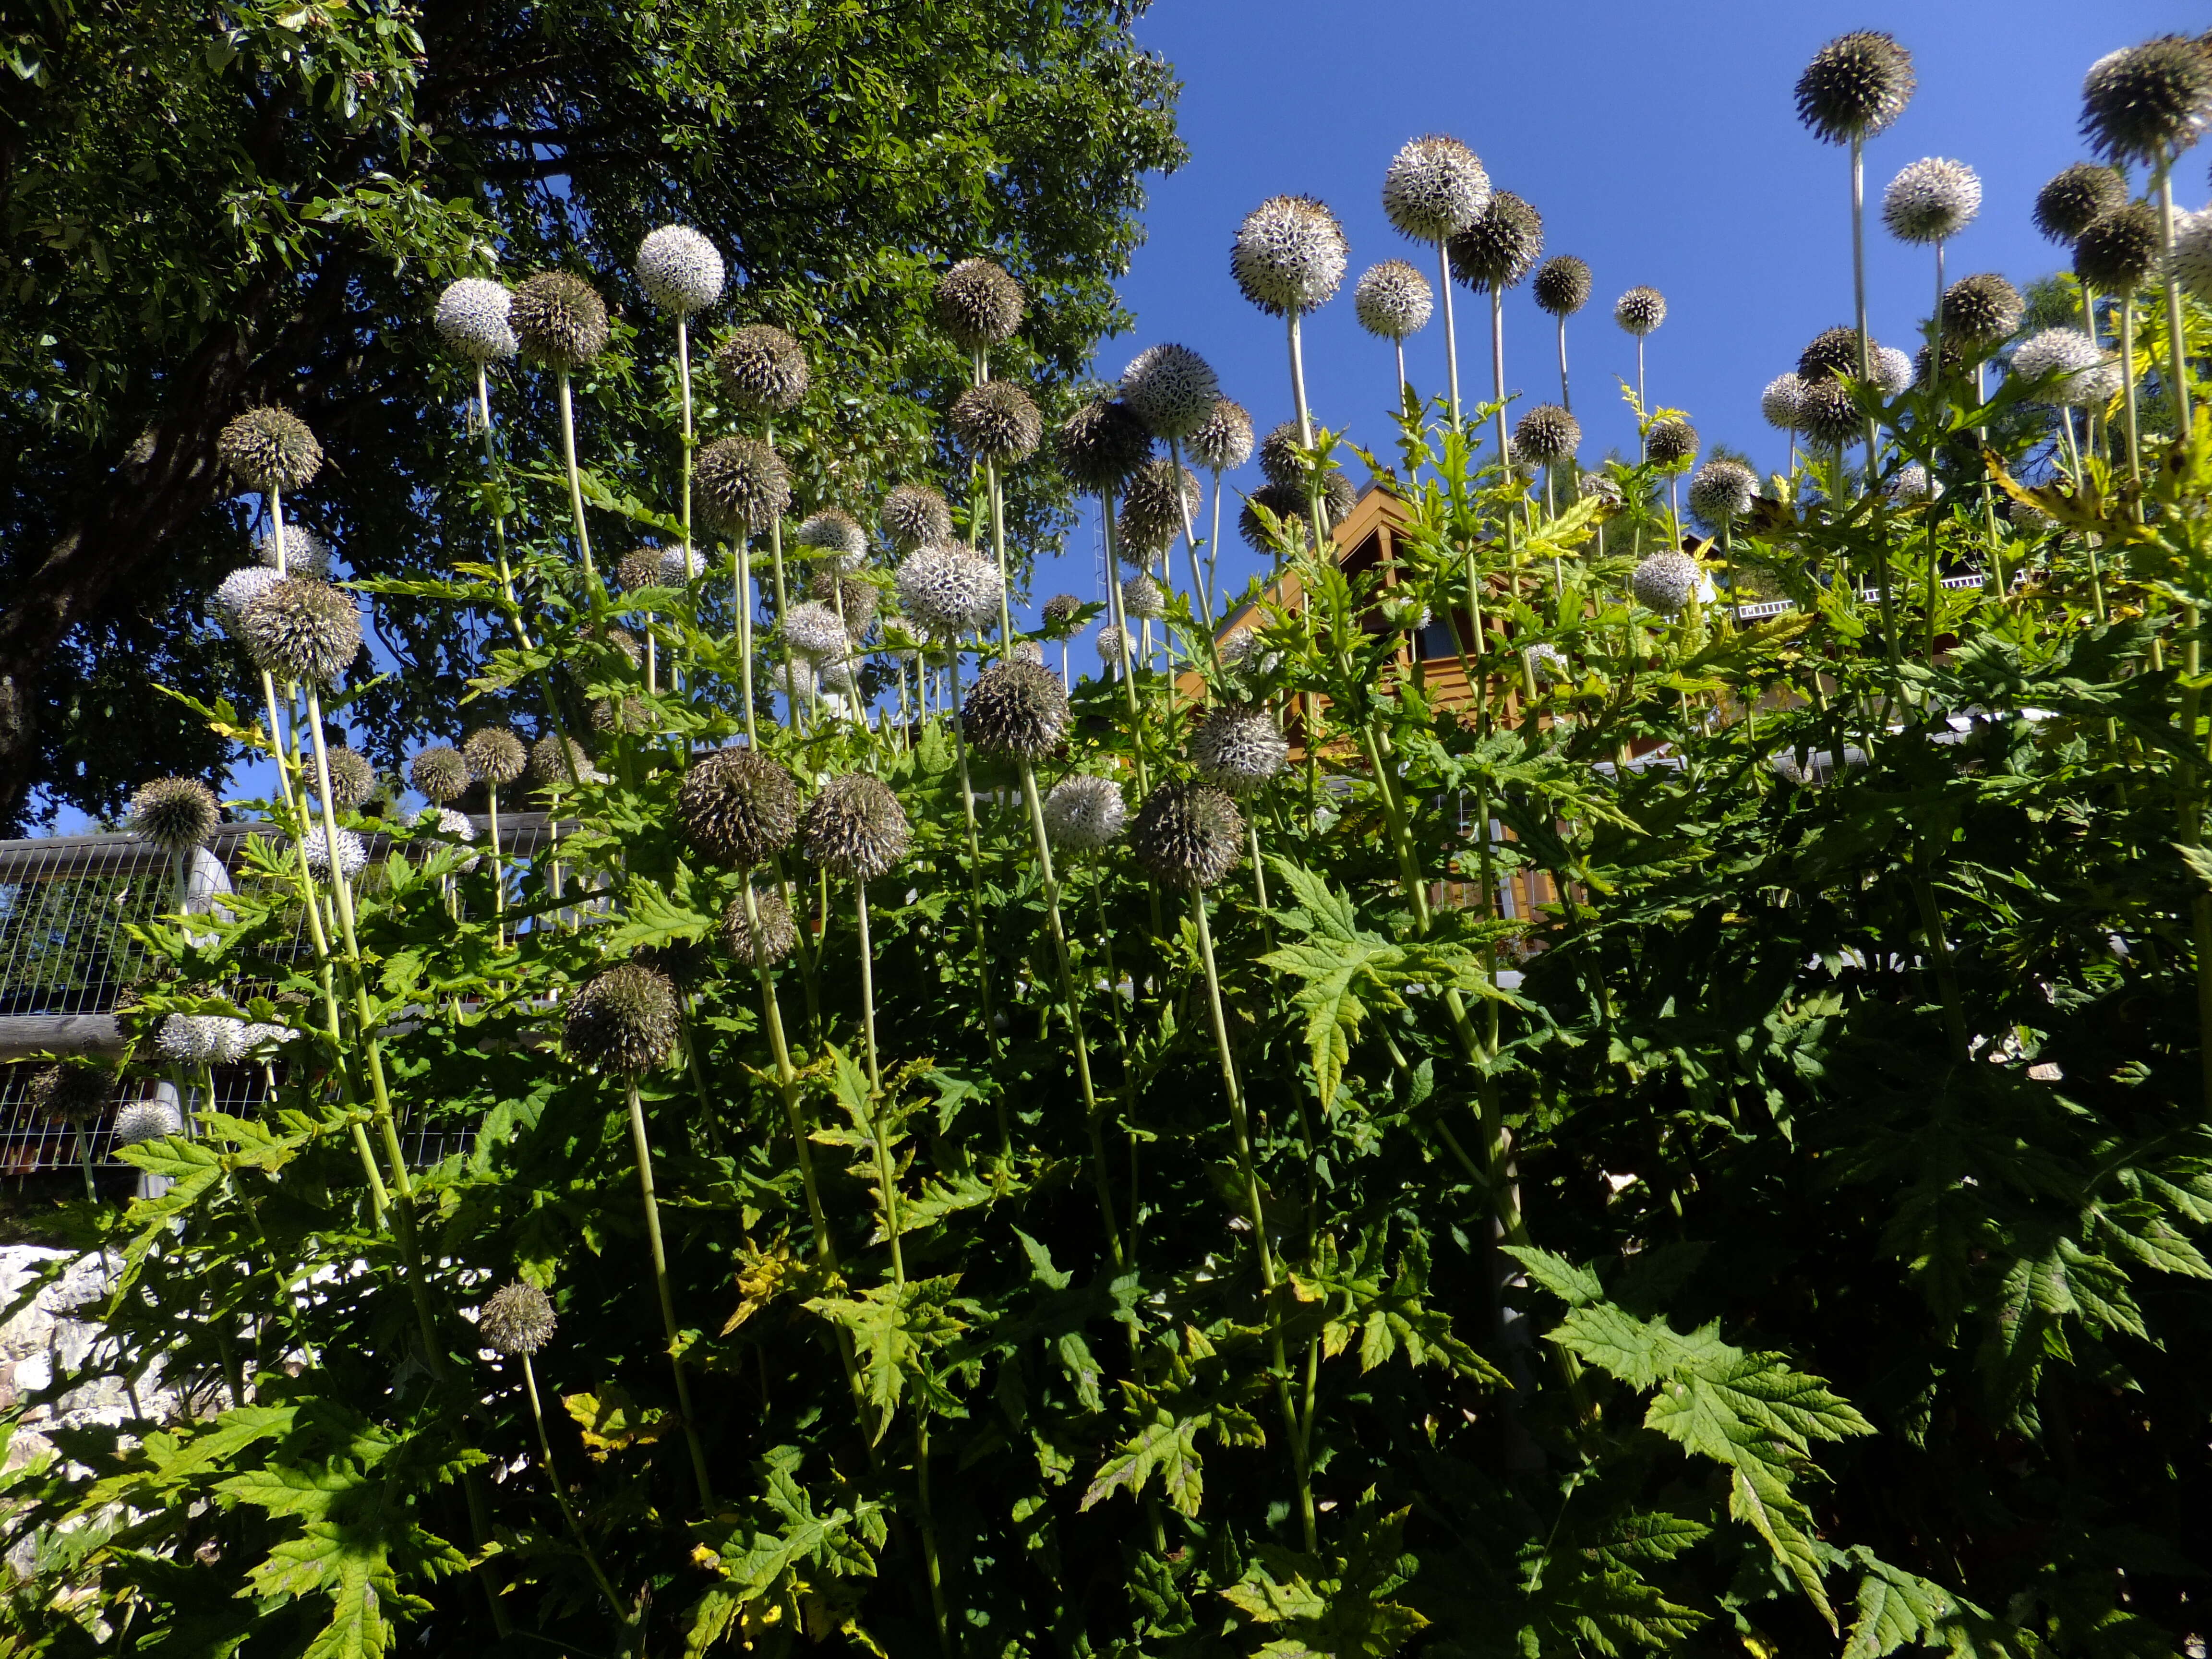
x=597 y=594
x=568 y=1509
x=665 y=1291
x=1451 y=330
x=2177 y=340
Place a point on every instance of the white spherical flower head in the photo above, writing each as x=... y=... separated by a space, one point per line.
x=237 y=591
x=948 y=591
x=228 y=1039
x=1640 y=311
x=472 y=320
x=1238 y=749
x=1242 y=653
x=186 y=1039
x=1892 y=371
x=1434 y=188
x=2086 y=374
x=1548 y=664
x=1931 y=200
x=814 y=632
x=1113 y=646
x=1141 y=597
x=1289 y=255
x=1665 y=582
x=678 y=565
x=1084 y=813
x=147 y=1119
x=1393 y=300
x=2191 y=257
x=680 y=270
x=835 y=536
x=796 y=680
x=1912 y=483
x=352 y=852
x=1782 y=401
x=306 y=553
x=1723 y=491
x=1172 y=389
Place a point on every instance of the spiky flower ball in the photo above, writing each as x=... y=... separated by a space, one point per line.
x=1779 y=402
x=143 y=1120
x=302 y=630
x=353 y=780
x=1982 y=309
x=1502 y=247
x=495 y=756
x=1827 y=415
x=996 y=421
x=1238 y=748
x=1289 y=255
x=2191 y=256
x=1141 y=597
x=1393 y=300
x=269 y=448
x=1546 y=664
x=917 y=516
x=1152 y=514
x=1223 y=441
x=439 y=772
x=1562 y=285
x=453 y=826
x=1061 y=611
x=1911 y=484
x=70 y=1093
x=846 y=596
x=1434 y=188
x=518 y=1320
x=680 y=270
x=352 y=853
x=743 y=486
x=1604 y=487
x=1833 y=351
x=1665 y=582
x=175 y=814
x=183 y=1039
x=776 y=938
x=764 y=370
x=948 y=591
x=1640 y=311
x=855 y=826
x=1084 y=813
x=306 y=553
x=471 y=318
x=1189 y=834
x=1547 y=435
x=1931 y=200
x=1671 y=445
x=560 y=319
x=1100 y=445
x=1015 y=708
x=1280 y=459
x=738 y=806
x=2076 y=197
x=679 y=565
x=558 y=763
x=1722 y=491
x=1892 y=371
x=639 y=568
x=1171 y=389
x=1113 y=646
x=2117 y=251
x=1855 y=86
x=833 y=533
x=2148 y=101
x=979 y=304
x=814 y=631
x=626 y=1019
x=2084 y=374
x=237 y=591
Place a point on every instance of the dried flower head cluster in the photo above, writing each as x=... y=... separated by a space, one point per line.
x=1238 y=748
x=559 y=320
x=836 y=535
x=1015 y=707
x=738 y=806
x=300 y=630
x=1562 y=285
x=625 y=1020
x=306 y=553
x=1434 y=188
x=2117 y=251
x=1141 y=597
x=979 y=305
x=915 y=516
x=1547 y=435
x=1855 y=87
x=1084 y=813
x=1290 y=255
x=1827 y=415
x=949 y=589
x=1501 y=246
x=814 y=630
x=1061 y=611
x=1392 y=300
x=471 y=318
x=680 y=270
x=764 y=370
x=1911 y=484
x=776 y=936
x=1722 y=491
x=1101 y=444
x=1223 y=441
x=1665 y=582
x=1171 y=389
x=269 y=448
x=638 y=569
x=1189 y=834
x=1981 y=310
x=238 y=590
x=142 y=1120
x=353 y=780
x=352 y=853
x=847 y=596
x=495 y=756
x=2076 y=197
x=1640 y=311
x=2148 y=102
x=439 y=772
x=558 y=763
x=1152 y=513
x=1832 y=352
x=175 y=814
x=1892 y=371
x=855 y=826
x=69 y=1092
x=1781 y=400
x=743 y=485
x=516 y=1320
x=1931 y=200
x=996 y=421
x=1671 y=444
x=1282 y=455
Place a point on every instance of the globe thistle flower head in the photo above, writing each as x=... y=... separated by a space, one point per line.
x=1289 y=255
x=680 y=270
x=764 y=370
x=1061 y=611
x=1084 y=813
x=175 y=814
x=1562 y=285
x=639 y=568
x=979 y=305
x=835 y=534
x=2083 y=374
x=237 y=591
x=813 y=630
x=855 y=826
x=1892 y=372
x=776 y=936
x=1665 y=582
x=1223 y=441
x=1243 y=652
x=186 y=1039
x=68 y=1092
x=917 y=516
x=1113 y=646
x=495 y=756
x=439 y=772
x=1546 y=664
x=794 y=678
x=1605 y=488
x=2117 y=251
x=1855 y=87
x=738 y=806
x=269 y=448
x=353 y=780
x=1780 y=402
x=558 y=763
x=1547 y=435
x=1722 y=491
x=846 y=596
x=302 y=630
x=2189 y=259
x=1238 y=748
x=352 y=853
x=1434 y=188
x=948 y=591
x=679 y=566
x=1671 y=445
x=1833 y=351
x=1981 y=310
x=1153 y=512
x=1501 y=248
x=743 y=486
x=996 y=421
x=626 y=1020
x=1171 y=389
x=1827 y=415
x=1100 y=446
x=2076 y=197
x=1281 y=459
x=306 y=553
x=1931 y=200
x=1911 y=484
x=143 y=1120
x=229 y=1039
x=517 y=1319
x=1141 y=597
x=471 y=318
x=1189 y=834
x=1393 y=300
x=2149 y=101
x=1640 y=311
x=1015 y=708
x=559 y=320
